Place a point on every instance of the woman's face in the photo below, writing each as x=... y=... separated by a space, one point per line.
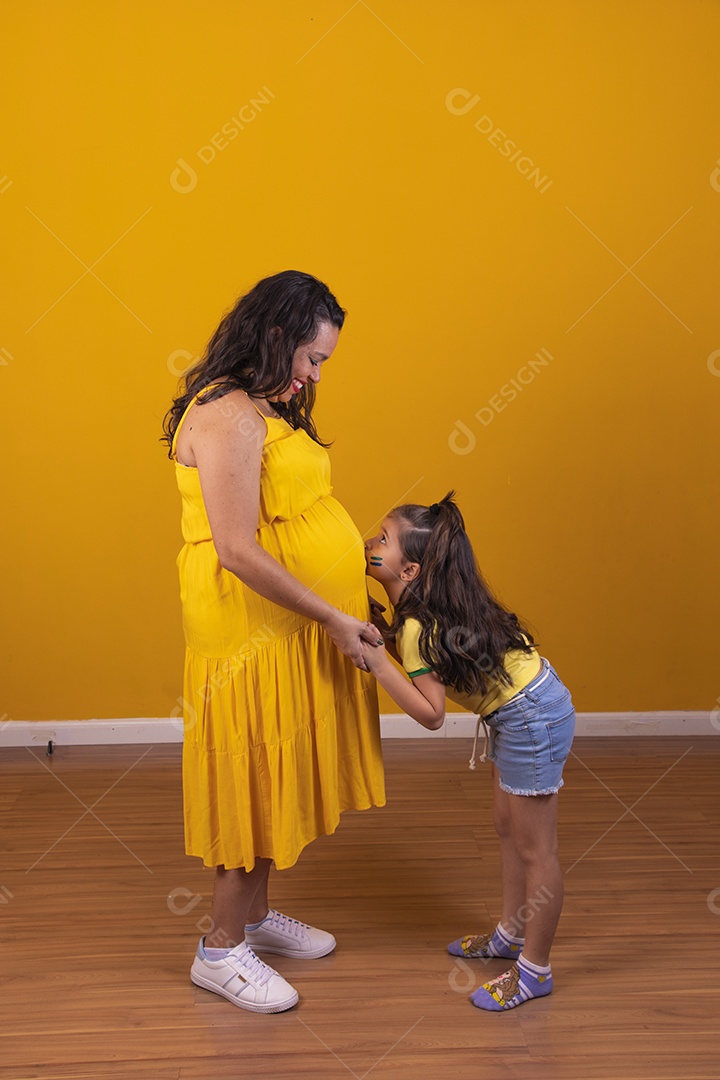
x=308 y=360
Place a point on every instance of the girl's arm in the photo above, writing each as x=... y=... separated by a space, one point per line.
x=422 y=698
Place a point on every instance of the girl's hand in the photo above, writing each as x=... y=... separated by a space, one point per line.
x=375 y=657
x=353 y=637
x=377 y=617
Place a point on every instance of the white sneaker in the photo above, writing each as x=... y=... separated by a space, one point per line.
x=287 y=937
x=242 y=978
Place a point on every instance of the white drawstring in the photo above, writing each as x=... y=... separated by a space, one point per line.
x=483 y=756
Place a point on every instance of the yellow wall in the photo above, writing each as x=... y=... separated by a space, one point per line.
x=592 y=497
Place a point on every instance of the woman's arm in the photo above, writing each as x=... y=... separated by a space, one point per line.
x=226 y=440
x=422 y=698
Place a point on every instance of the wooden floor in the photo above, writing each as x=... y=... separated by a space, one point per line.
x=100 y=909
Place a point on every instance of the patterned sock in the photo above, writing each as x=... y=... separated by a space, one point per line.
x=522 y=982
x=499 y=943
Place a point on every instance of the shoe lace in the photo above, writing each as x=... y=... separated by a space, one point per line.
x=253 y=966
x=286 y=924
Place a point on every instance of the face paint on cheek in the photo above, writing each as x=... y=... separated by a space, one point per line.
x=375 y=560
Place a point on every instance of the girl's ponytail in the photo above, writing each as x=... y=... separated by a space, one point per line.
x=465 y=630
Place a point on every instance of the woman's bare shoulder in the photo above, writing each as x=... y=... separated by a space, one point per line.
x=228 y=406
x=233 y=416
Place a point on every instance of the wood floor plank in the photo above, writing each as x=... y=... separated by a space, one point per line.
x=100 y=912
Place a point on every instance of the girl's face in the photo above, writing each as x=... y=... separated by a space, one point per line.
x=308 y=359
x=384 y=556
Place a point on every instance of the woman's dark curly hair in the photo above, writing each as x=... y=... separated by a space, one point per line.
x=465 y=630
x=253 y=348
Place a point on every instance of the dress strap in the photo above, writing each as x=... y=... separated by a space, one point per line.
x=184 y=415
x=194 y=399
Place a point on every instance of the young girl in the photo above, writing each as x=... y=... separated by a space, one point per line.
x=454 y=638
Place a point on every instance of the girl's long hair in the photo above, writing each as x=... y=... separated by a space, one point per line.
x=465 y=630
x=249 y=353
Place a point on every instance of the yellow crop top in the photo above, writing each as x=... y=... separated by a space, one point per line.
x=522 y=668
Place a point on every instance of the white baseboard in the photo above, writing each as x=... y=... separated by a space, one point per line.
x=90 y=732
x=462 y=725
x=392 y=726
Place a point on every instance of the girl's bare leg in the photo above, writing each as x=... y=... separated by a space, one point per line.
x=533 y=821
x=512 y=918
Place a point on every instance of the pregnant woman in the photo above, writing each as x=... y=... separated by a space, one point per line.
x=280 y=714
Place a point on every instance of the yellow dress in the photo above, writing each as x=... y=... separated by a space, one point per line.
x=281 y=731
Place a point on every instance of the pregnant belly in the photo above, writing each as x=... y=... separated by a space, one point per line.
x=322 y=548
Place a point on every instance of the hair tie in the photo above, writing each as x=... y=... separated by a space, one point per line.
x=434 y=509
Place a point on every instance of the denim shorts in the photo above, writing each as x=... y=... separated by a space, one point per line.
x=531 y=736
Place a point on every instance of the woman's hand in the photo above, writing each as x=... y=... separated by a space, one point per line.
x=352 y=637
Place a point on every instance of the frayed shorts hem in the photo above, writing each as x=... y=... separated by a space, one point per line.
x=523 y=791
